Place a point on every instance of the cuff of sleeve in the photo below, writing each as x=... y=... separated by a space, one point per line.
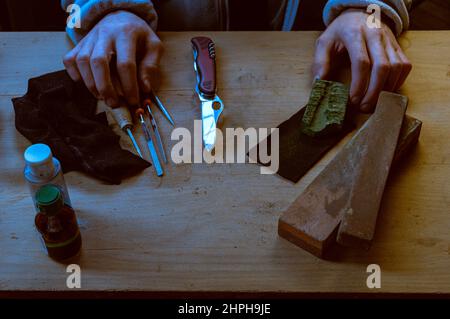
x=92 y=11
x=400 y=19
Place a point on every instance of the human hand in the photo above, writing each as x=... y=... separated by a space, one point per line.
x=377 y=61
x=119 y=56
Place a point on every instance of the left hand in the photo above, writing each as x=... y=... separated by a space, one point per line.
x=136 y=50
x=377 y=60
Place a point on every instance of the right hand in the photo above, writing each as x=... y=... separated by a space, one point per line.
x=137 y=51
x=377 y=60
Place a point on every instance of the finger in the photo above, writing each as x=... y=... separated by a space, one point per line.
x=148 y=70
x=406 y=64
x=100 y=60
x=116 y=83
x=322 y=57
x=126 y=68
x=83 y=63
x=380 y=70
x=396 y=67
x=406 y=69
x=70 y=59
x=70 y=63
x=360 y=65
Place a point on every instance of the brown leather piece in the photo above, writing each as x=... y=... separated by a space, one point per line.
x=62 y=114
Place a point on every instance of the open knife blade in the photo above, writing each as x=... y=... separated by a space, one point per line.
x=210 y=103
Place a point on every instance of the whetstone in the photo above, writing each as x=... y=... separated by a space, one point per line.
x=312 y=220
x=326 y=109
x=377 y=146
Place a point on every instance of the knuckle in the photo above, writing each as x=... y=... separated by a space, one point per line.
x=69 y=59
x=382 y=67
x=83 y=58
x=152 y=68
x=159 y=47
x=376 y=34
x=321 y=41
x=156 y=46
x=351 y=31
x=363 y=62
x=130 y=27
x=156 y=41
x=126 y=65
x=99 y=61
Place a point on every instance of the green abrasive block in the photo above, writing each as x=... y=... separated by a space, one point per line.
x=325 y=111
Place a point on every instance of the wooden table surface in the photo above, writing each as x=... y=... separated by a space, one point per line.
x=214 y=227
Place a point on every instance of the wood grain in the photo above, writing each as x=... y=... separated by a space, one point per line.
x=311 y=221
x=214 y=227
x=377 y=144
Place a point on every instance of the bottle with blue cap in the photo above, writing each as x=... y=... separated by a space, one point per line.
x=41 y=169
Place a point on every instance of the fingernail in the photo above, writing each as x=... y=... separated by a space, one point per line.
x=316 y=78
x=147 y=85
x=356 y=100
x=365 y=108
x=111 y=102
x=133 y=102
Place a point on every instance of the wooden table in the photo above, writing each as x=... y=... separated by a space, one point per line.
x=214 y=227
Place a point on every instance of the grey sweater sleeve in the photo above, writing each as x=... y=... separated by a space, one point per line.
x=396 y=10
x=93 y=10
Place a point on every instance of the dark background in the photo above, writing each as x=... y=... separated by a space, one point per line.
x=47 y=15
x=31 y=15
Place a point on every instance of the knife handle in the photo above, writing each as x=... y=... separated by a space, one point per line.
x=206 y=65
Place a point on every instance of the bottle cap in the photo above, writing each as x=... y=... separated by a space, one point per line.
x=37 y=154
x=49 y=199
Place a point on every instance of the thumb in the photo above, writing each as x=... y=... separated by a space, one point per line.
x=148 y=69
x=322 y=58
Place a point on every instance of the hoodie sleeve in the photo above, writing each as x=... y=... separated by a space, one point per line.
x=395 y=10
x=93 y=10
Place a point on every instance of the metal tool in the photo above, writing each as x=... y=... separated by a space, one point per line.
x=151 y=146
x=159 y=104
x=211 y=105
x=123 y=118
x=155 y=129
x=121 y=114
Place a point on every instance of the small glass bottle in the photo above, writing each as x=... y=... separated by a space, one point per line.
x=42 y=168
x=57 y=224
